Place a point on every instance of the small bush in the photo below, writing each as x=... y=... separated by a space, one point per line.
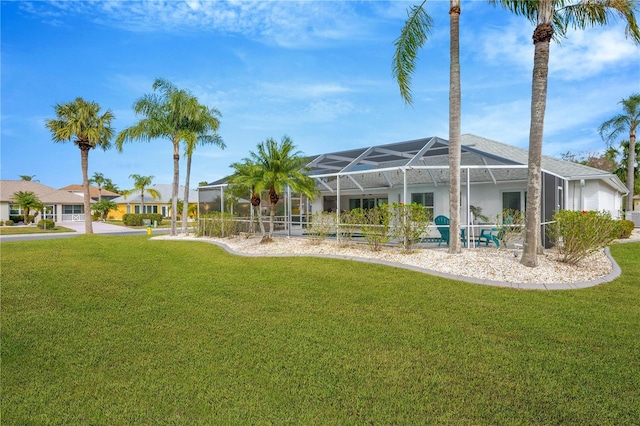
x=409 y=222
x=8 y=222
x=626 y=228
x=322 y=225
x=375 y=225
x=219 y=225
x=46 y=224
x=578 y=234
x=137 y=219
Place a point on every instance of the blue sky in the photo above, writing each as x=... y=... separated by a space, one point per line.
x=319 y=72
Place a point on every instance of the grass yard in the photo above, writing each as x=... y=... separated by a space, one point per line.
x=21 y=230
x=127 y=330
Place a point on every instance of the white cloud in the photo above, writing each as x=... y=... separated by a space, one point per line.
x=292 y=24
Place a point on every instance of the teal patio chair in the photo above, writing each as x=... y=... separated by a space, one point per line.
x=442 y=224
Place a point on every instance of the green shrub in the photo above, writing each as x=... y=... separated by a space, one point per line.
x=8 y=222
x=219 y=225
x=137 y=219
x=46 y=224
x=626 y=228
x=409 y=222
x=375 y=225
x=322 y=225
x=577 y=234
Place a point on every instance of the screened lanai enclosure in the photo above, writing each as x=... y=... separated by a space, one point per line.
x=493 y=178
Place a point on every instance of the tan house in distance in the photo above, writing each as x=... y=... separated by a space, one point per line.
x=94 y=192
x=63 y=206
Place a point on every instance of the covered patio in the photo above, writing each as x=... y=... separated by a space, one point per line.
x=493 y=178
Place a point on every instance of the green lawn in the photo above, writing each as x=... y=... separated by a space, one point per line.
x=20 y=230
x=127 y=330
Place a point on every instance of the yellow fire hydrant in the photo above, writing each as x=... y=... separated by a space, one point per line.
x=149 y=229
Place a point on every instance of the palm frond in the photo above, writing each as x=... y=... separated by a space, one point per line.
x=412 y=37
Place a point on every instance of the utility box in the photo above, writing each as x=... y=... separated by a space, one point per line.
x=634 y=216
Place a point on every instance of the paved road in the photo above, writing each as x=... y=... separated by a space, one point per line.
x=78 y=229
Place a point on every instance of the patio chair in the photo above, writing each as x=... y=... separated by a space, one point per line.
x=442 y=224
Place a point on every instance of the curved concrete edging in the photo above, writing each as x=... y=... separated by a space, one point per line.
x=615 y=271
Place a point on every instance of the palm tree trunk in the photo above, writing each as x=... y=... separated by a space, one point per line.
x=84 y=156
x=542 y=38
x=631 y=170
x=454 y=127
x=185 y=201
x=176 y=185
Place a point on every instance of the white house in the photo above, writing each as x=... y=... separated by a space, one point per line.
x=493 y=177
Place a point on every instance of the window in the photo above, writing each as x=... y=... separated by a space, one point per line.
x=73 y=209
x=15 y=210
x=366 y=203
x=146 y=209
x=424 y=199
x=514 y=200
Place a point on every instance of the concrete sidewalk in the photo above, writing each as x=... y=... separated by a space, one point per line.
x=99 y=228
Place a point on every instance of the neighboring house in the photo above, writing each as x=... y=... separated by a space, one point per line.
x=94 y=192
x=494 y=177
x=63 y=206
x=132 y=203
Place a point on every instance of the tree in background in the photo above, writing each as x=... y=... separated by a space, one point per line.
x=412 y=36
x=98 y=179
x=552 y=19
x=108 y=185
x=104 y=206
x=627 y=121
x=81 y=120
x=281 y=166
x=142 y=184
x=172 y=114
x=205 y=136
x=247 y=179
x=27 y=201
x=29 y=178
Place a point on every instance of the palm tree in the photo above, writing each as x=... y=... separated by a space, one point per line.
x=248 y=177
x=110 y=186
x=104 y=206
x=619 y=124
x=99 y=180
x=142 y=184
x=281 y=166
x=206 y=136
x=412 y=37
x=81 y=120
x=172 y=114
x=552 y=19
x=26 y=200
x=28 y=178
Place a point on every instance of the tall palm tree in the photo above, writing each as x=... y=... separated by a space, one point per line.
x=627 y=121
x=142 y=184
x=27 y=201
x=412 y=37
x=172 y=114
x=552 y=19
x=81 y=120
x=28 y=178
x=99 y=180
x=282 y=166
x=206 y=136
x=247 y=177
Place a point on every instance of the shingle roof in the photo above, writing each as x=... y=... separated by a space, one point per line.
x=45 y=194
x=93 y=191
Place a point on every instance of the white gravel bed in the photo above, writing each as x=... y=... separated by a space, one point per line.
x=484 y=263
